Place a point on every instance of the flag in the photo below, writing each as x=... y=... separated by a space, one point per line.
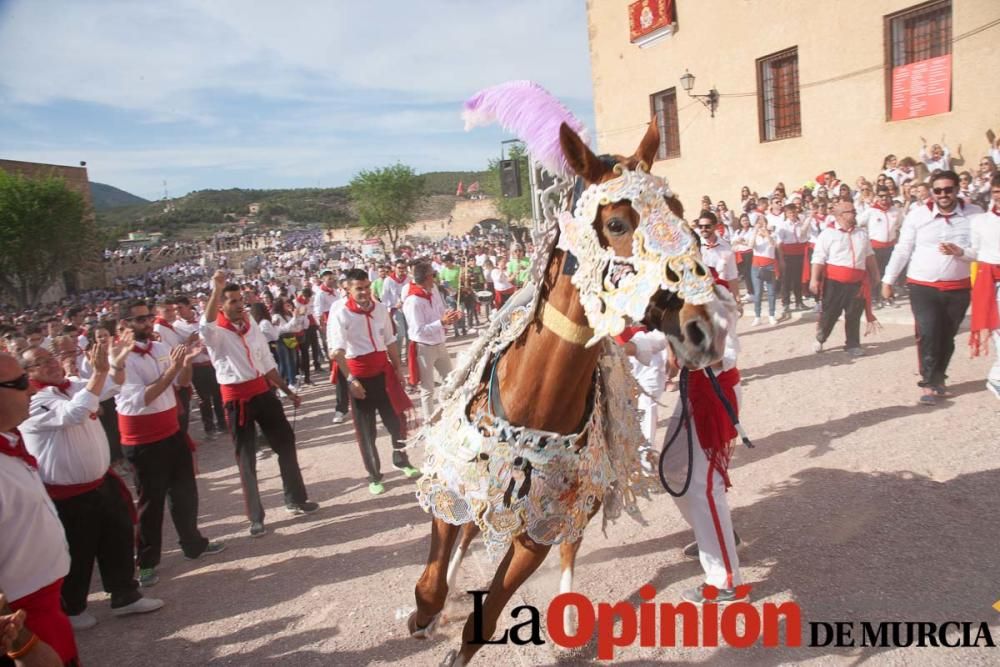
x=473 y=187
x=460 y=191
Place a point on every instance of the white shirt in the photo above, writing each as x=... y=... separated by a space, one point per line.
x=943 y=163
x=763 y=246
x=169 y=335
x=269 y=330
x=186 y=329
x=358 y=334
x=719 y=256
x=33 y=552
x=141 y=371
x=792 y=232
x=985 y=233
x=423 y=318
x=774 y=220
x=881 y=225
x=66 y=437
x=818 y=223
x=393 y=292
x=924 y=228
x=322 y=302
x=649 y=362
x=500 y=279
x=840 y=248
x=237 y=358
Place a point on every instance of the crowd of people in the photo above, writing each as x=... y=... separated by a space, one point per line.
x=102 y=389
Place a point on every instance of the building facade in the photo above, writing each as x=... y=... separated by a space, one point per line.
x=802 y=87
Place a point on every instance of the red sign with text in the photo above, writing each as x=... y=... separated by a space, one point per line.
x=922 y=88
x=648 y=16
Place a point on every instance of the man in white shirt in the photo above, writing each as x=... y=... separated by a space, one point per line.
x=934 y=243
x=161 y=455
x=213 y=417
x=882 y=221
x=163 y=326
x=716 y=253
x=246 y=370
x=361 y=345
x=393 y=292
x=985 y=234
x=427 y=320
x=793 y=243
x=94 y=504
x=843 y=257
x=34 y=556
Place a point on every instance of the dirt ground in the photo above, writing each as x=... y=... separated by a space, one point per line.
x=856 y=503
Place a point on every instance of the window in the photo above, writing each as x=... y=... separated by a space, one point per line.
x=664 y=104
x=918 y=71
x=778 y=95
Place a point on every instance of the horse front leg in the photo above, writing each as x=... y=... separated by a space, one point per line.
x=567 y=568
x=520 y=562
x=432 y=589
x=469 y=532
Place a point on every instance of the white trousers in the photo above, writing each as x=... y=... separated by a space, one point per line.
x=649 y=414
x=704 y=507
x=429 y=358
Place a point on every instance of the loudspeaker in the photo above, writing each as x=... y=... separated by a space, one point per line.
x=510 y=178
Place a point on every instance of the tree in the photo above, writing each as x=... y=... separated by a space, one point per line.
x=43 y=233
x=511 y=209
x=386 y=200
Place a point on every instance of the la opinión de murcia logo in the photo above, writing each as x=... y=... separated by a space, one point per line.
x=737 y=624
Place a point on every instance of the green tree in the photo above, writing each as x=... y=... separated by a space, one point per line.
x=511 y=209
x=43 y=233
x=386 y=200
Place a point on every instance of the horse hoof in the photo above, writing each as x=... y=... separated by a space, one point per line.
x=417 y=632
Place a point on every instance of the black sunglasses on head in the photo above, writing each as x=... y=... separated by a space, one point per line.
x=20 y=384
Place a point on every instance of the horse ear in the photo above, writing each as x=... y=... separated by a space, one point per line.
x=580 y=158
x=650 y=144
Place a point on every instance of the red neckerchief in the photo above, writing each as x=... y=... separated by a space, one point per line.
x=399 y=281
x=628 y=333
x=160 y=320
x=224 y=322
x=17 y=450
x=143 y=350
x=880 y=207
x=417 y=290
x=39 y=385
x=353 y=306
x=996 y=210
x=301 y=299
x=326 y=289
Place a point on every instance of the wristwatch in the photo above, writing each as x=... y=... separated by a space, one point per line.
x=350 y=379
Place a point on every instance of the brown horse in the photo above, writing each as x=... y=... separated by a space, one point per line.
x=546 y=376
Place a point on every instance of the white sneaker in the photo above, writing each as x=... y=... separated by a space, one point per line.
x=771 y=320
x=756 y=322
x=994 y=387
x=339 y=417
x=140 y=606
x=82 y=621
x=855 y=352
x=817 y=347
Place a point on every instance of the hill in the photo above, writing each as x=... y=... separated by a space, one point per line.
x=204 y=211
x=107 y=196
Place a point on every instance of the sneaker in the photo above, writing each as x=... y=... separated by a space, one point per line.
x=855 y=352
x=376 y=488
x=140 y=606
x=210 y=550
x=928 y=399
x=817 y=346
x=82 y=621
x=696 y=595
x=257 y=529
x=941 y=391
x=305 y=507
x=994 y=387
x=771 y=320
x=148 y=577
x=691 y=550
x=409 y=471
x=756 y=322
x=339 y=417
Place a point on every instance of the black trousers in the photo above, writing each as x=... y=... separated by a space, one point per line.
x=471 y=308
x=99 y=527
x=744 y=267
x=213 y=416
x=265 y=411
x=109 y=421
x=164 y=472
x=312 y=342
x=363 y=412
x=791 y=280
x=841 y=298
x=882 y=256
x=343 y=394
x=302 y=355
x=184 y=408
x=938 y=314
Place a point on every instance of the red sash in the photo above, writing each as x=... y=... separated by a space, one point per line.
x=943 y=285
x=630 y=332
x=146 y=429
x=882 y=244
x=715 y=429
x=375 y=364
x=64 y=491
x=794 y=249
x=498 y=293
x=46 y=619
x=852 y=276
x=412 y=365
x=241 y=393
x=985 y=315
x=759 y=260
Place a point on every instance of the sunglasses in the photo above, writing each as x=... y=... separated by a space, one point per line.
x=705 y=226
x=139 y=319
x=949 y=190
x=20 y=384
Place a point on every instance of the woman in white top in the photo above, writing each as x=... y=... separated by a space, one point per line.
x=503 y=288
x=286 y=324
x=740 y=241
x=764 y=271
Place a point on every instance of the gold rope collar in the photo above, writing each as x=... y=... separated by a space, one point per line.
x=565 y=328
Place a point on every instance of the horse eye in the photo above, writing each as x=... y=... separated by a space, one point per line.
x=617 y=226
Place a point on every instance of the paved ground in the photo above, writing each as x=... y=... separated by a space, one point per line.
x=857 y=503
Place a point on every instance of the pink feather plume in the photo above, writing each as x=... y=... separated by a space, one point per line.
x=529 y=112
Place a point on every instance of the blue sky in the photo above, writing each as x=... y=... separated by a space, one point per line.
x=264 y=94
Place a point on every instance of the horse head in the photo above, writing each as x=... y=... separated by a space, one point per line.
x=647 y=268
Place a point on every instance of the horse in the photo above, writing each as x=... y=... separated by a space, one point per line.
x=545 y=381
